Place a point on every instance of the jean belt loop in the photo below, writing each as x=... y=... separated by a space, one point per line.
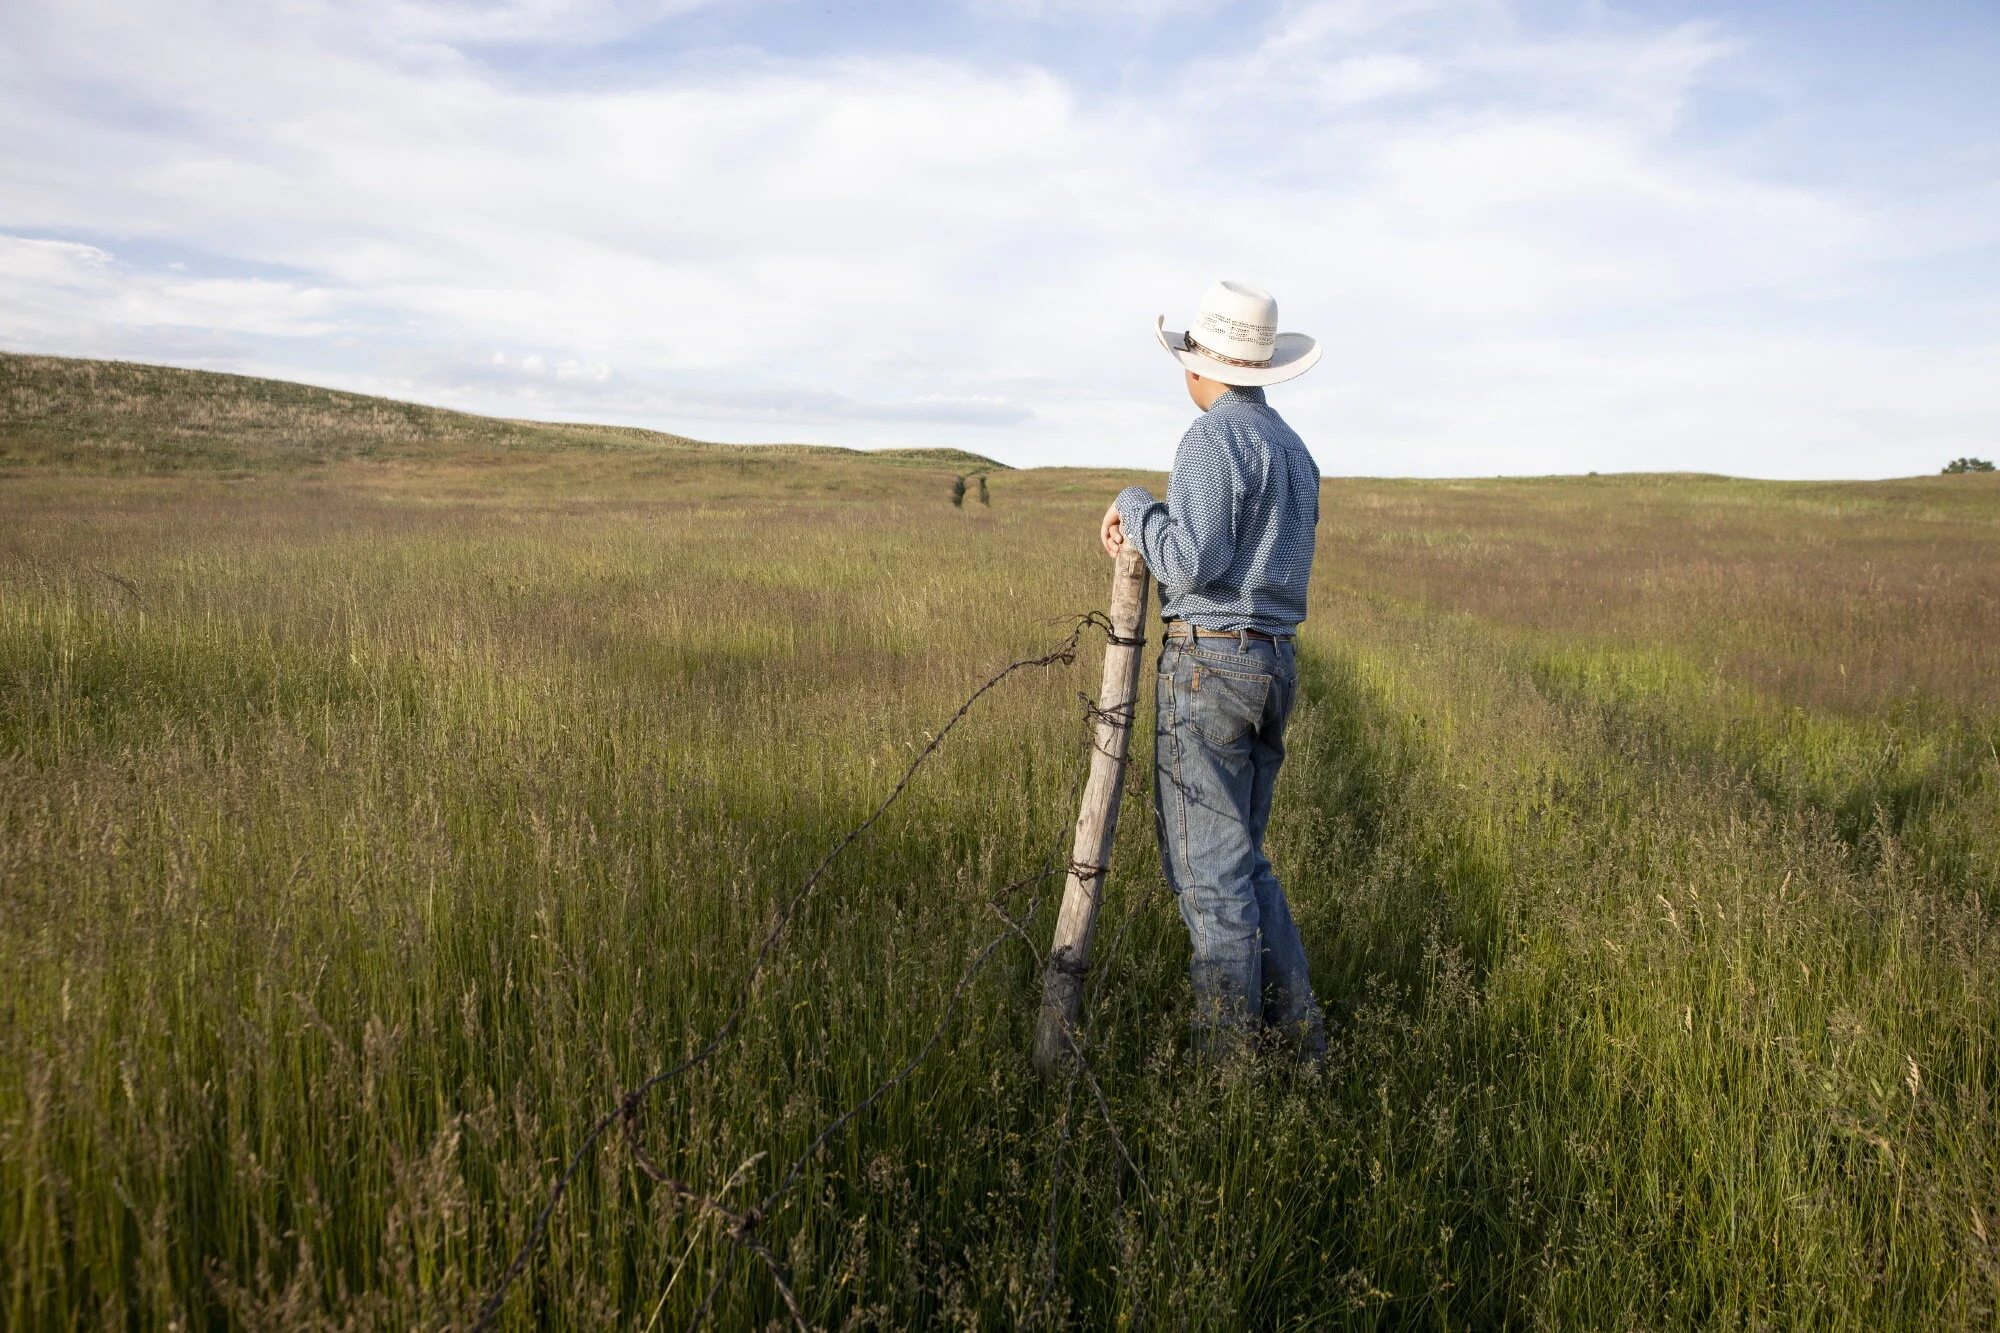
x=1243 y=640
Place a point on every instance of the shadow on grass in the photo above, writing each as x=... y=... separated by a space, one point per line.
x=1339 y=1197
x=1386 y=875
x=1904 y=776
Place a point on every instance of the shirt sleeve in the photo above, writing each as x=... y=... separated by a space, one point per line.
x=1188 y=541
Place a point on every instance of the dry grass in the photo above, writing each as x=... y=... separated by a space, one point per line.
x=1852 y=597
x=116 y=416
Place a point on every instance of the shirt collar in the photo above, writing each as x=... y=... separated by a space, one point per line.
x=1248 y=393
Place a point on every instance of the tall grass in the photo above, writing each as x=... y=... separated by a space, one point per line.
x=364 y=833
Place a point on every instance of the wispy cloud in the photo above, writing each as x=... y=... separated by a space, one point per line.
x=1517 y=255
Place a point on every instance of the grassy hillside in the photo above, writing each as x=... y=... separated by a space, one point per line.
x=366 y=829
x=120 y=417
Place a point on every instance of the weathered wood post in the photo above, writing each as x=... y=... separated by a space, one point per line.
x=1097 y=819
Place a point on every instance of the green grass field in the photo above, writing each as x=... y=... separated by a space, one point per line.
x=383 y=791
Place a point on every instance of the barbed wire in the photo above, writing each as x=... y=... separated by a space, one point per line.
x=1076 y=1043
x=1124 y=1154
x=1017 y=929
x=747 y=1222
x=1053 y=1275
x=741 y=1224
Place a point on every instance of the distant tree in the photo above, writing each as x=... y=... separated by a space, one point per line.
x=984 y=498
x=1968 y=465
x=958 y=492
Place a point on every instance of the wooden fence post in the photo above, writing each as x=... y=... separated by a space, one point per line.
x=1097 y=819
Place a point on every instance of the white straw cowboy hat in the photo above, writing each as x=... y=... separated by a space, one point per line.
x=1235 y=339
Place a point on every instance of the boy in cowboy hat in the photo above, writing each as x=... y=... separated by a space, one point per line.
x=1232 y=549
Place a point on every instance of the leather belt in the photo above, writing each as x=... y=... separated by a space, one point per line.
x=1180 y=629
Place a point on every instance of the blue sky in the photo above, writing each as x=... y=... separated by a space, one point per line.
x=1535 y=237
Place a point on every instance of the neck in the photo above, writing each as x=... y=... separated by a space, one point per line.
x=1206 y=392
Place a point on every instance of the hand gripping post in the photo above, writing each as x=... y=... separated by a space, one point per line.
x=1097 y=819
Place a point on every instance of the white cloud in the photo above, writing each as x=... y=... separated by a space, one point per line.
x=1499 y=234
x=1367 y=78
x=1147 y=13
x=570 y=22
x=59 y=264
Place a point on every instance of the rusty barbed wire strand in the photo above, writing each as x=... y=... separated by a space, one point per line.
x=1118 y=1142
x=1080 y=1068
x=1124 y=716
x=1050 y=1278
x=743 y=1223
x=131 y=588
x=1087 y=743
x=1016 y=929
x=714 y=1288
x=741 y=1232
x=1064 y=654
x=883 y=1088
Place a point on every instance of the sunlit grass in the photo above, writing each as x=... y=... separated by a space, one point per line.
x=366 y=828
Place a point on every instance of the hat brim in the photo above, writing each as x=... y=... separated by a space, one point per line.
x=1293 y=355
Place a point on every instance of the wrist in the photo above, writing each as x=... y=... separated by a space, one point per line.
x=1131 y=506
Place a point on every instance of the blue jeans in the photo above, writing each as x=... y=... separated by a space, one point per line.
x=1219 y=740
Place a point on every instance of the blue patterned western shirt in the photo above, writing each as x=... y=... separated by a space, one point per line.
x=1232 y=544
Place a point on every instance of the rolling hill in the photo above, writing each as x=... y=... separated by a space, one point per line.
x=119 y=416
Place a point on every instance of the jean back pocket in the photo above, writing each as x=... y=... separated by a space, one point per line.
x=1225 y=706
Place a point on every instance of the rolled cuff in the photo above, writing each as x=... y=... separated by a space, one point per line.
x=1132 y=504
